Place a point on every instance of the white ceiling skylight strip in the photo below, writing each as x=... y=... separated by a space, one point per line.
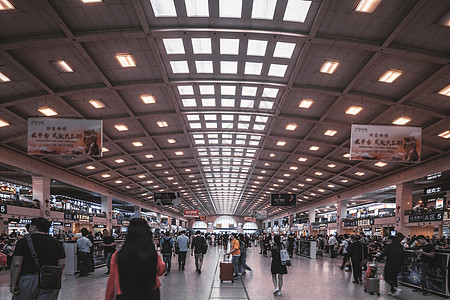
x=230 y=8
x=164 y=8
x=174 y=46
x=297 y=11
x=263 y=9
x=197 y=8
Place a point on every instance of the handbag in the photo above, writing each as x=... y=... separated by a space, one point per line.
x=49 y=276
x=284 y=256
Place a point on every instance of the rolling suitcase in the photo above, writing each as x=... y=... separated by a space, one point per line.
x=226 y=271
x=371 y=280
x=3 y=261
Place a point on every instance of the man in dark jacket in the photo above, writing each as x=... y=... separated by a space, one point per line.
x=198 y=247
x=357 y=253
x=393 y=252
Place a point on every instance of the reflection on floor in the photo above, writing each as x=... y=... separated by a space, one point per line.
x=307 y=279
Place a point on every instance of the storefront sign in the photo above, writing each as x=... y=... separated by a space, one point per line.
x=24 y=221
x=426 y=217
x=99 y=226
x=67 y=224
x=70 y=216
x=433 y=190
x=387 y=143
x=349 y=223
x=283 y=199
x=7 y=189
x=434 y=175
x=57 y=224
x=366 y=222
x=249 y=219
x=65 y=136
x=191 y=213
x=84 y=218
x=125 y=223
x=3 y=209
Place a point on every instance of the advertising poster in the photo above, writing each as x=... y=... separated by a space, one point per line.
x=283 y=199
x=386 y=143
x=166 y=199
x=260 y=214
x=191 y=213
x=249 y=219
x=65 y=136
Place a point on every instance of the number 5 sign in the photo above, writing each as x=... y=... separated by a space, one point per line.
x=3 y=209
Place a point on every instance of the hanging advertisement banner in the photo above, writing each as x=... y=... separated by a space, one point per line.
x=283 y=199
x=167 y=198
x=191 y=213
x=65 y=136
x=249 y=219
x=260 y=214
x=386 y=143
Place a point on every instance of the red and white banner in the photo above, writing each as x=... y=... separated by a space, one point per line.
x=386 y=143
x=65 y=136
x=249 y=219
x=191 y=213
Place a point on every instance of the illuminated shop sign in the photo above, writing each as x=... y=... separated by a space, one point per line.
x=426 y=217
x=434 y=175
x=432 y=190
x=57 y=224
x=7 y=189
x=84 y=218
x=69 y=216
x=367 y=222
x=3 y=209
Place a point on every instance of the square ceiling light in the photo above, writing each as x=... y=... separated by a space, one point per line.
x=137 y=144
x=4 y=78
x=305 y=103
x=253 y=68
x=62 y=66
x=401 y=120
x=284 y=50
x=125 y=60
x=263 y=9
x=445 y=91
x=47 y=111
x=367 y=6
x=330 y=132
x=302 y=159
x=90 y=167
x=291 y=127
x=121 y=127
x=189 y=102
x=297 y=11
x=162 y=124
x=445 y=134
x=185 y=90
x=331 y=165
x=174 y=46
x=119 y=161
x=353 y=110
x=6 y=5
x=328 y=67
x=179 y=67
x=281 y=143
x=230 y=8
x=148 y=99
x=314 y=148
x=380 y=164
x=171 y=141
x=97 y=103
x=197 y=8
x=390 y=76
x=3 y=123
x=201 y=46
x=163 y=8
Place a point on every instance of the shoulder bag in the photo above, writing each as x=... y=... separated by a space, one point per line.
x=49 y=276
x=284 y=256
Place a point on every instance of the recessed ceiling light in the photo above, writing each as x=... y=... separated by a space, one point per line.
x=62 y=66
x=328 y=67
x=367 y=6
x=6 y=5
x=390 y=76
x=346 y=155
x=125 y=60
x=141 y=176
x=264 y=171
x=296 y=11
x=344 y=180
x=308 y=179
x=106 y=175
x=148 y=99
x=179 y=153
x=171 y=141
x=353 y=110
x=104 y=149
x=272 y=155
x=401 y=120
x=128 y=187
x=119 y=161
x=331 y=165
x=97 y=103
x=445 y=134
x=360 y=173
x=286 y=175
x=4 y=78
x=162 y=123
x=330 y=132
x=322 y=190
x=380 y=164
x=149 y=156
x=137 y=144
x=118 y=181
x=445 y=91
x=90 y=167
x=266 y=164
x=121 y=127
x=302 y=159
x=149 y=181
x=281 y=143
x=91 y=1
x=301 y=184
x=188 y=170
x=47 y=111
x=305 y=103
x=3 y=123
x=318 y=173
x=331 y=185
x=314 y=148
x=158 y=165
x=291 y=127
x=294 y=168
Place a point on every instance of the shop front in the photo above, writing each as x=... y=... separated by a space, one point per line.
x=18 y=226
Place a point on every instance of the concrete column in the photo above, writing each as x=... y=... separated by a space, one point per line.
x=107 y=208
x=341 y=214
x=137 y=211
x=312 y=219
x=41 y=192
x=403 y=202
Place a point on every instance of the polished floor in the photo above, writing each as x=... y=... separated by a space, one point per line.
x=307 y=279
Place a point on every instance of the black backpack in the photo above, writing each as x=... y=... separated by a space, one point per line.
x=166 y=246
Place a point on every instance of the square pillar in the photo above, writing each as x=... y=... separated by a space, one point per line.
x=107 y=209
x=137 y=211
x=403 y=203
x=41 y=193
x=341 y=214
x=312 y=218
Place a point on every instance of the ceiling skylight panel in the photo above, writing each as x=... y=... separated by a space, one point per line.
x=259 y=127
x=270 y=92
x=210 y=117
x=197 y=8
x=201 y=45
x=164 y=8
x=228 y=67
x=296 y=10
x=240 y=142
x=266 y=104
x=227 y=117
x=244 y=118
x=226 y=125
x=229 y=46
x=186 y=90
x=261 y=119
x=228 y=102
x=209 y=102
x=230 y=8
x=195 y=125
x=256 y=48
x=228 y=90
x=247 y=103
x=249 y=91
x=211 y=125
x=204 y=66
x=284 y=50
x=189 y=102
x=193 y=117
x=174 y=46
x=277 y=70
x=252 y=68
x=243 y=125
x=263 y=9
x=179 y=67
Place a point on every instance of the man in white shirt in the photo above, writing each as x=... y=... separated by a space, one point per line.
x=84 y=247
x=344 y=246
x=332 y=244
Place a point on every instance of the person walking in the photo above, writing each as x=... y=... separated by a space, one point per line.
x=357 y=252
x=198 y=247
x=344 y=246
x=109 y=247
x=183 y=246
x=243 y=258
x=393 y=251
x=225 y=239
x=236 y=253
x=84 y=249
x=167 y=246
x=425 y=255
x=136 y=267
x=24 y=278
x=276 y=268
x=332 y=244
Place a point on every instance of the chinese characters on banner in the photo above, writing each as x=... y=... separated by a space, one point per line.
x=386 y=143
x=65 y=136
x=191 y=213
